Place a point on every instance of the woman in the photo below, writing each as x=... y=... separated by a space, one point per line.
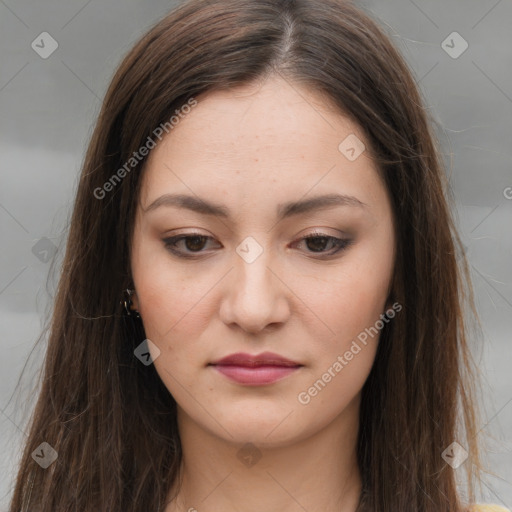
x=260 y=306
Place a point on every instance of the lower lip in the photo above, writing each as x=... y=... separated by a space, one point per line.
x=256 y=375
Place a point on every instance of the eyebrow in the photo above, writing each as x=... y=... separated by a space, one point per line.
x=284 y=210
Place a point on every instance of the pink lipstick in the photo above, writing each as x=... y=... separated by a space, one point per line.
x=255 y=370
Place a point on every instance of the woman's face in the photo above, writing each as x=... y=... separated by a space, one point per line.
x=251 y=166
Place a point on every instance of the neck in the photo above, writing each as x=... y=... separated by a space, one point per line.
x=316 y=473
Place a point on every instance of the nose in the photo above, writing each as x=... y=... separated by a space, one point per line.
x=255 y=296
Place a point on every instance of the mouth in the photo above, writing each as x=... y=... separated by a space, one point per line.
x=256 y=370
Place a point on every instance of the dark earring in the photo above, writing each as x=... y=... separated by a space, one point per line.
x=132 y=319
x=127 y=304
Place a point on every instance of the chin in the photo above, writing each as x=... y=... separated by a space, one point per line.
x=264 y=425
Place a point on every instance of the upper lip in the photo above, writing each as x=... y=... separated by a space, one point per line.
x=263 y=359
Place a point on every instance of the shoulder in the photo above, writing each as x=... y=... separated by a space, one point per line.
x=488 y=508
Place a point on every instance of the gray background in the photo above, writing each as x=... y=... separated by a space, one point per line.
x=48 y=107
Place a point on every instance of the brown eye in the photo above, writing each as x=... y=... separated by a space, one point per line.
x=193 y=243
x=321 y=243
x=317 y=243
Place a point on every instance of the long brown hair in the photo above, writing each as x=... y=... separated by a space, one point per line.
x=110 y=419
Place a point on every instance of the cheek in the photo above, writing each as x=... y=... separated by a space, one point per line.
x=352 y=298
x=174 y=317
x=351 y=301
x=171 y=297
x=171 y=311
x=342 y=362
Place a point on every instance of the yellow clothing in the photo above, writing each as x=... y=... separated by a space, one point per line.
x=489 y=508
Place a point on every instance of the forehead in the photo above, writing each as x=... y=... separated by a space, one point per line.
x=261 y=117
x=264 y=141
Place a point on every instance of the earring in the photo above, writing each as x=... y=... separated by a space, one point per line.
x=132 y=320
x=127 y=304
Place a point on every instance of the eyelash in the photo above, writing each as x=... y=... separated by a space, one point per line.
x=170 y=244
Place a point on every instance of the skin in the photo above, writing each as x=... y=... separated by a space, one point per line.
x=251 y=149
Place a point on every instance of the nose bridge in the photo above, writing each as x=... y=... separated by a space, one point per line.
x=253 y=299
x=252 y=275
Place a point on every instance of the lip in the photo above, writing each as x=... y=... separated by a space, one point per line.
x=255 y=370
x=265 y=358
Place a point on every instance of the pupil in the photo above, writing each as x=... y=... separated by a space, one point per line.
x=320 y=246
x=191 y=242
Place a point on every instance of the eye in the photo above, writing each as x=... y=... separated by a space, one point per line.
x=194 y=243
x=319 y=242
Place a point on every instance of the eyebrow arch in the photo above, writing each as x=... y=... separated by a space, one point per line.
x=284 y=210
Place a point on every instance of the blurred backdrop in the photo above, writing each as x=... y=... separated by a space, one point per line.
x=57 y=59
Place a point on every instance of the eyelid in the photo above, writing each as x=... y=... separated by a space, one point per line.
x=341 y=243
